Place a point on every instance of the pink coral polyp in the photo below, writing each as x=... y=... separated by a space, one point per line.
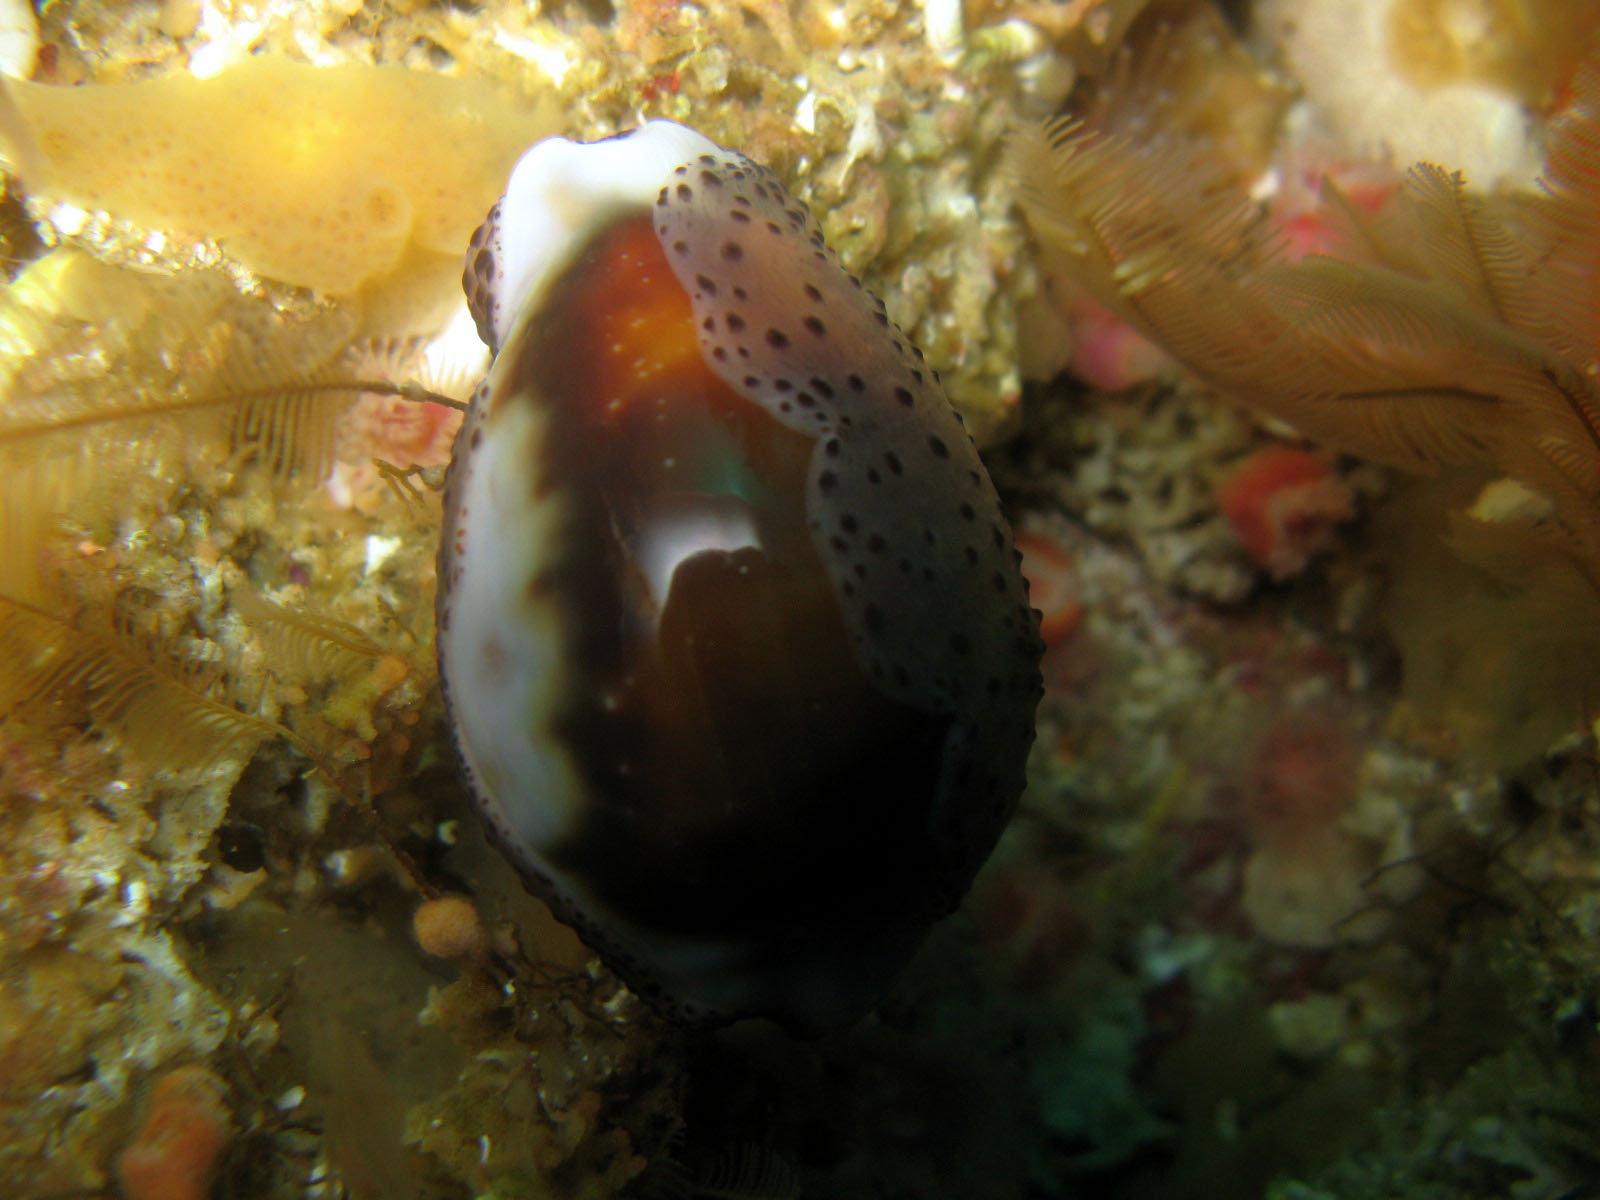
x=1284 y=504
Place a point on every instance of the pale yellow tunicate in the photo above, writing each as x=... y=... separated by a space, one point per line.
x=323 y=177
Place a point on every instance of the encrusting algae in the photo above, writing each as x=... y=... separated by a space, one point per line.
x=1267 y=924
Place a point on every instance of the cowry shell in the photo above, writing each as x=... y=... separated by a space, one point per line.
x=734 y=643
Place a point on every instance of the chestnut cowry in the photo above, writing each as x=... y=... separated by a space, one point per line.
x=734 y=643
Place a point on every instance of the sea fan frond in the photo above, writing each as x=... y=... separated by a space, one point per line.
x=228 y=370
x=1153 y=237
x=306 y=645
x=1563 y=223
x=1463 y=343
x=747 y=1172
x=164 y=710
x=118 y=382
x=1470 y=249
x=1571 y=179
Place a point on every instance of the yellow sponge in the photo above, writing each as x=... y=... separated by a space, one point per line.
x=317 y=176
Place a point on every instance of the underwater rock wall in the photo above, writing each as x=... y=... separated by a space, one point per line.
x=1301 y=899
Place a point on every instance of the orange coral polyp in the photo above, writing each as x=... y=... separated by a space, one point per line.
x=1052 y=586
x=1283 y=504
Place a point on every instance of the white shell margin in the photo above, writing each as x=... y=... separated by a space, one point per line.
x=561 y=192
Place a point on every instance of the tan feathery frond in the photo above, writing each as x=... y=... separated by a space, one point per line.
x=1463 y=336
x=115 y=380
x=1469 y=248
x=164 y=711
x=307 y=645
x=747 y=1172
x=1196 y=271
x=1153 y=236
x=169 y=362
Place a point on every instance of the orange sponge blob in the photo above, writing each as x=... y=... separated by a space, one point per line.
x=175 y=1153
x=318 y=176
x=449 y=928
